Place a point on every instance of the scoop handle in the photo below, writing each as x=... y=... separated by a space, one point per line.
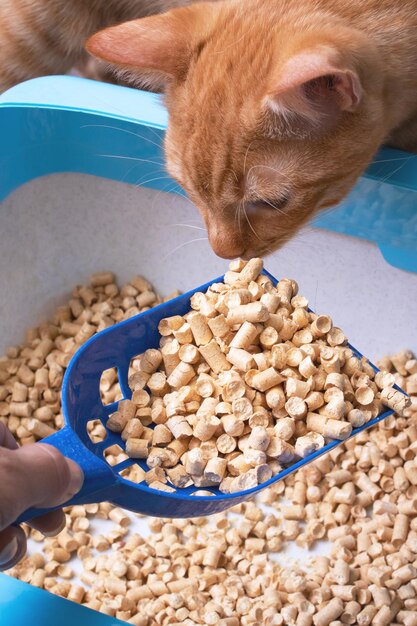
x=99 y=478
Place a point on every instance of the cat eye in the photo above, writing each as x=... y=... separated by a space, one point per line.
x=267 y=204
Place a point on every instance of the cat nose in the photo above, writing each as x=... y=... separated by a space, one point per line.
x=225 y=250
x=225 y=243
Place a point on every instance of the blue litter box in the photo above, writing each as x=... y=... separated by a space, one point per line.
x=65 y=124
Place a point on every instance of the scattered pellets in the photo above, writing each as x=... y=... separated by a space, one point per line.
x=219 y=570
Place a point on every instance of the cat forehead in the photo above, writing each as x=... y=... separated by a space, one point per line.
x=235 y=42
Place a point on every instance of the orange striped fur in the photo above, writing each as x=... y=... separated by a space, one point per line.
x=40 y=37
x=275 y=106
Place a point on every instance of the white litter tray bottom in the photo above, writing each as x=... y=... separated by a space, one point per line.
x=59 y=229
x=287 y=557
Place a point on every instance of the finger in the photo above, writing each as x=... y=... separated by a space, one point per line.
x=6 y=438
x=38 y=475
x=49 y=524
x=12 y=546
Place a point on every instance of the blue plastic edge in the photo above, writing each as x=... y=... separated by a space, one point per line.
x=68 y=124
x=21 y=604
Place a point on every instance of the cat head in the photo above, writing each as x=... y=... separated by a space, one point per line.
x=271 y=117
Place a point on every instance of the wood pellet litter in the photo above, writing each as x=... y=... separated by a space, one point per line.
x=245 y=384
x=361 y=497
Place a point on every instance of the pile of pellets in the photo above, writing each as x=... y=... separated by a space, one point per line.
x=246 y=383
x=361 y=497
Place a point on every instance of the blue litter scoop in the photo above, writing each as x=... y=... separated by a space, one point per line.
x=81 y=403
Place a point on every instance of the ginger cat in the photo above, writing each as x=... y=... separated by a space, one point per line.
x=275 y=106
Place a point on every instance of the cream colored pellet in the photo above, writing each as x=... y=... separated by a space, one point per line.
x=253 y=312
x=395 y=400
x=158 y=384
x=308 y=444
x=245 y=336
x=284 y=428
x=334 y=429
x=181 y=375
x=183 y=335
x=232 y=426
x=218 y=326
x=134 y=428
x=266 y=379
x=179 y=477
x=189 y=354
x=213 y=355
x=156 y=484
x=215 y=470
x=329 y=612
x=281 y=450
x=205 y=427
x=200 y=328
x=137 y=448
x=259 y=439
x=233 y=390
x=251 y=270
x=297 y=388
x=179 y=427
x=241 y=359
x=162 y=435
x=195 y=462
x=226 y=443
x=242 y=408
x=40 y=429
x=296 y=408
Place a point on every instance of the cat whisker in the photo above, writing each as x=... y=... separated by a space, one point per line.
x=246 y=156
x=268 y=167
x=403 y=158
x=299 y=241
x=229 y=169
x=185 y=197
x=157 y=170
x=182 y=246
x=234 y=43
x=315 y=294
x=171 y=190
x=143 y=183
x=188 y=226
x=128 y=158
x=131 y=169
x=196 y=220
x=400 y=167
x=167 y=190
x=249 y=223
x=128 y=132
x=238 y=220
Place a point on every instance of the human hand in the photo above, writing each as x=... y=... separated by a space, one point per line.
x=36 y=475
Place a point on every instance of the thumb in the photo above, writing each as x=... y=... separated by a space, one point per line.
x=36 y=475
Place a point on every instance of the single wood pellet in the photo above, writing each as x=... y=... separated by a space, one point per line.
x=172 y=577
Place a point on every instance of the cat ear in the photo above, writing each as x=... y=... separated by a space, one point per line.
x=315 y=86
x=159 y=45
